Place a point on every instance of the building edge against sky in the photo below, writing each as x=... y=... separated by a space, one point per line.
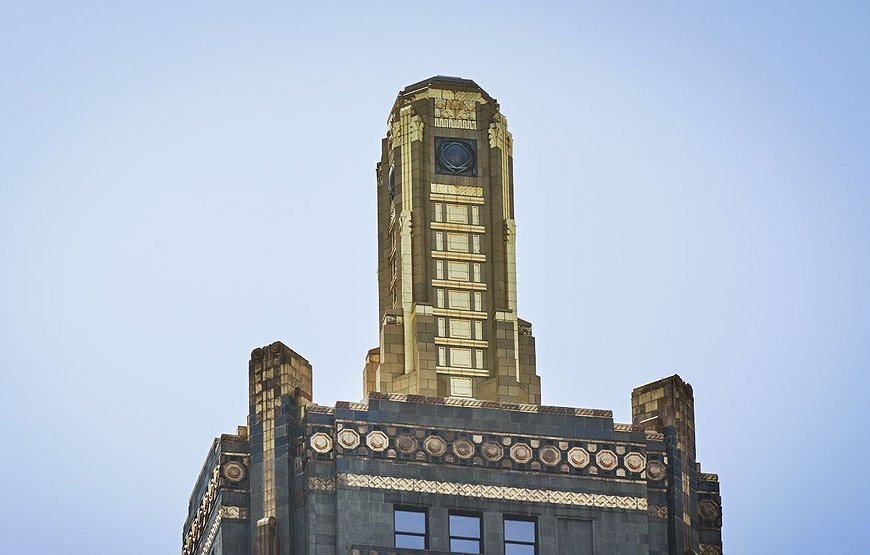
x=451 y=449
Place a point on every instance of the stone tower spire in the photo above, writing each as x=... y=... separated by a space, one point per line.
x=446 y=251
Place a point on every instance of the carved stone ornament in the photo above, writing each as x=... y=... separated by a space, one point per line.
x=655 y=470
x=549 y=455
x=606 y=459
x=634 y=462
x=492 y=451
x=377 y=441
x=463 y=448
x=234 y=471
x=435 y=446
x=348 y=438
x=708 y=509
x=321 y=443
x=521 y=453
x=406 y=444
x=578 y=457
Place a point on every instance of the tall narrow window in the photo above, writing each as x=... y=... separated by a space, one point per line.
x=410 y=528
x=475 y=243
x=478 y=300
x=477 y=272
x=475 y=215
x=442 y=356
x=439 y=241
x=478 y=329
x=465 y=534
x=520 y=536
x=439 y=297
x=442 y=327
x=439 y=214
x=478 y=358
x=439 y=269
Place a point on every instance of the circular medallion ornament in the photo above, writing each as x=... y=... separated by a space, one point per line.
x=348 y=438
x=578 y=457
x=377 y=441
x=634 y=462
x=463 y=448
x=492 y=451
x=708 y=509
x=321 y=443
x=606 y=459
x=655 y=470
x=406 y=444
x=435 y=446
x=257 y=353
x=549 y=455
x=455 y=156
x=521 y=453
x=234 y=471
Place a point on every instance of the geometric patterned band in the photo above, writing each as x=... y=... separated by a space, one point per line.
x=528 y=495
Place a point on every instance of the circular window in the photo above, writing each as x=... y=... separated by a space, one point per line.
x=456 y=157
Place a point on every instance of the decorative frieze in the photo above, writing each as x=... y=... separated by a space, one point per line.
x=461 y=447
x=508 y=493
x=321 y=484
x=203 y=513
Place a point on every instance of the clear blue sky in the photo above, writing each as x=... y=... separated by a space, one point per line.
x=181 y=182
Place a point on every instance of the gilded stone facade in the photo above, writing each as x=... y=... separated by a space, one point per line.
x=451 y=423
x=447 y=255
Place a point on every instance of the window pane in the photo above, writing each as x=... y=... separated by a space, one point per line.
x=464 y=546
x=460 y=328
x=519 y=530
x=460 y=387
x=414 y=542
x=465 y=526
x=518 y=549
x=459 y=299
x=411 y=521
x=457 y=214
x=460 y=357
x=457 y=271
x=457 y=242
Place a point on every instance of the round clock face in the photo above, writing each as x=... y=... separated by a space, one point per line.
x=391 y=182
x=456 y=156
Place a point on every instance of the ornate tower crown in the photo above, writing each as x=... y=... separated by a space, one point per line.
x=446 y=251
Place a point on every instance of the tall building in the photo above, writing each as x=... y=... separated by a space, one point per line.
x=450 y=451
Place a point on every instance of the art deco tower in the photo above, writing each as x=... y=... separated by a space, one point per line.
x=446 y=251
x=450 y=450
